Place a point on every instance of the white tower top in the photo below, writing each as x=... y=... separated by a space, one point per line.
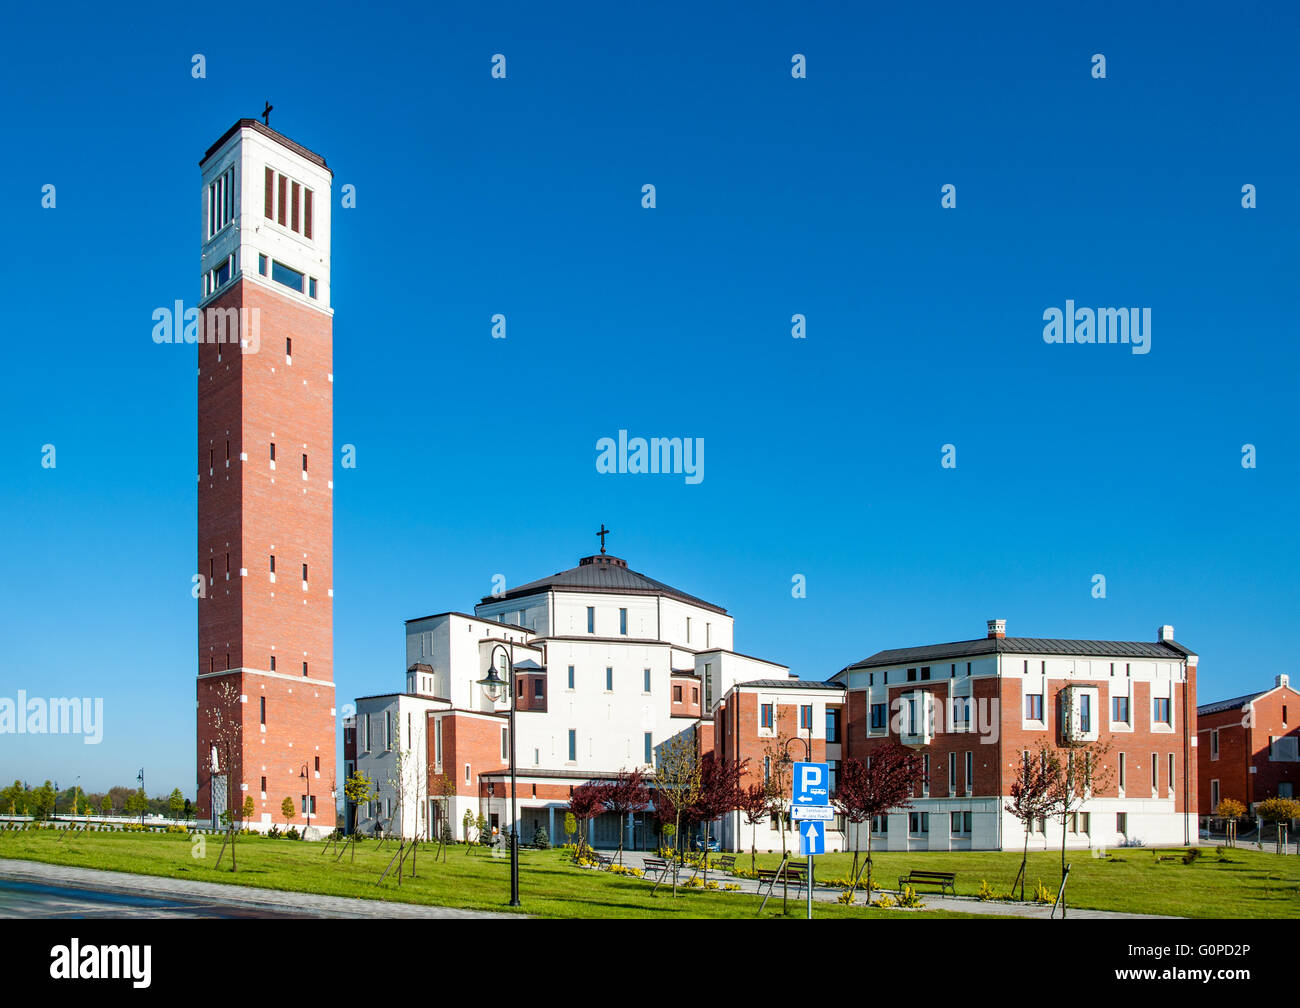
x=265 y=215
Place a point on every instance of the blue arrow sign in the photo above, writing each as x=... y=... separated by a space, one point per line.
x=812 y=784
x=812 y=836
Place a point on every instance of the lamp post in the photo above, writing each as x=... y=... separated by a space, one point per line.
x=495 y=688
x=144 y=802
x=307 y=803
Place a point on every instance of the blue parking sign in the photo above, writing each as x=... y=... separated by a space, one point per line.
x=812 y=784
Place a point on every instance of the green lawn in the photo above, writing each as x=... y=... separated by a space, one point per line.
x=550 y=885
x=1250 y=883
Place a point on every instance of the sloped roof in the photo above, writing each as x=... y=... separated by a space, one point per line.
x=1167 y=650
x=602 y=573
x=790 y=684
x=1236 y=703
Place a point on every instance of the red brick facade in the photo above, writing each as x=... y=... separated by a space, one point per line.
x=1234 y=750
x=249 y=512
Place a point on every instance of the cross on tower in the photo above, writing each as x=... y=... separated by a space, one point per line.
x=602 y=533
x=266 y=115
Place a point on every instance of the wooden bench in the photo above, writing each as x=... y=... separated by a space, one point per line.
x=726 y=863
x=946 y=881
x=603 y=860
x=770 y=876
x=658 y=866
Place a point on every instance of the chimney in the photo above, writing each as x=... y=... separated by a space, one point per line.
x=1283 y=680
x=997 y=628
x=1165 y=633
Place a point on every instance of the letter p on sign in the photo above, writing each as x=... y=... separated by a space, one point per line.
x=810 y=784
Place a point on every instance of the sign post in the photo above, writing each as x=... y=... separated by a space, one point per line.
x=810 y=806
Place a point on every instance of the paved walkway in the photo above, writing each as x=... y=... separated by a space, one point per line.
x=31 y=888
x=958 y=904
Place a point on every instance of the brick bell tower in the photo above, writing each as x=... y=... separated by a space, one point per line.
x=265 y=477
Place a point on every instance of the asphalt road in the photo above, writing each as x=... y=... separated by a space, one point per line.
x=31 y=901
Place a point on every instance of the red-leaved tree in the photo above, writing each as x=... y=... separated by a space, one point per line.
x=626 y=794
x=1032 y=798
x=586 y=802
x=885 y=781
x=757 y=803
x=719 y=795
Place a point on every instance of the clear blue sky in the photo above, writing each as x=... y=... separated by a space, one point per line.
x=775 y=196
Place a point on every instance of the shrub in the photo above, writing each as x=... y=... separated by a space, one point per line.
x=731 y=887
x=884 y=903
x=909 y=898
x=711 y=885
x=1278 y=810
x=292 y=833
x=986 y=891
x=846 y=897
x=274 y=833
x=1041 y=893
x=1192 y=854
x=176 y=828
x=694 y=883
x=541 y=840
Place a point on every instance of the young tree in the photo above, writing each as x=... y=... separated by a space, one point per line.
x=357 y=791
x=570 y=826
x=625 y=795
x=1032 y=799
x=443 y=788
x=246 y=813
x=883 y=783
x=719 y=795
x=42 y=803
x=1078 y=772
x=287 y=810
x=677 y=779
x=586 y=801
x=176 y=802
x=757 y=804
x=224 y=729
x=106 y=805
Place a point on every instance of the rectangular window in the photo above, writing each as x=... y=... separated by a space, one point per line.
x=832 y=725
x=918 y=822
x=1214 y=795
x=622 y=621
x=591 y=619
x=1034 y=707
x=539 y=689
x=283 y=189
x=221 y=201
x=283 y=274
x=1123 y=771
x=269 y=196
x=573 y=745
x=688 y=629
x=306 y=212
x=878 y=716
x=677 y=694
x=647 y=680
x=1119 y=709
x=1121 y=823
x=1155 y=772
x=505 y=743
x=1214 y=744
x=1163 y=711
x=805 y=717
x=970 y=771
x=304 y=669
x=304 y=463
x=570 y=677
x=263 y=264
x=649 y=749
x=695 y=694
x=262 y=709
x=466 y=773
x=304 y=573
x=263 y=787
x=293 y=205
x=1085 y=712
x=311 y=287
x=1169 y=777
x=272 y=563
x=911 y=675
x=272 y=663
x=765 y=716
x=609 y=680
x=925 y=672
x=272 y=451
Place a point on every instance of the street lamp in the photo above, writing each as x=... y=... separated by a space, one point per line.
x=144 y=802
x=496 y=689
x=307 y=803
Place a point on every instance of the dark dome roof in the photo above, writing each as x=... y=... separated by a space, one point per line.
x=602 y=573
